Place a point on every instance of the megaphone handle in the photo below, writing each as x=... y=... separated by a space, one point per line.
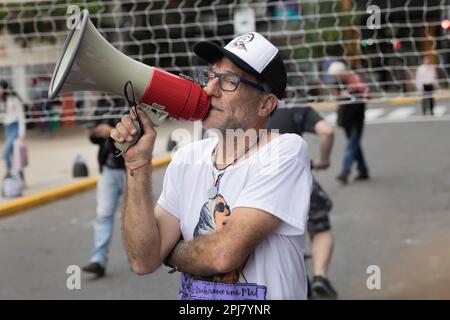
x=124 y=146
x=156 y=116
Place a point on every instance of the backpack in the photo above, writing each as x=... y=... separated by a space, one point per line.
x=12 y=186
x=79 y=167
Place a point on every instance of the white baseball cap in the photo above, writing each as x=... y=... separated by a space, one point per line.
x=337 y=68
x=252 y=53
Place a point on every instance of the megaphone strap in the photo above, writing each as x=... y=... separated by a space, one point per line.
x=132 y=103
x=124 y=146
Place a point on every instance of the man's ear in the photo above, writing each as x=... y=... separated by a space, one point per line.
x=268 y=104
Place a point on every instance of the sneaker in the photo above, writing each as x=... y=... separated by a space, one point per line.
x=321 y=289
x=342 y=179
x=362 y=176
x=96 y=268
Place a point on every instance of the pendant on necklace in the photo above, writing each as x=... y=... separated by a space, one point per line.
x=212 y=193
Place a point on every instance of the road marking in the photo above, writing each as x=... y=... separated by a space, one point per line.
x=400 y=113
x=439 y=111
x=383 y=120
x=372 y=114
x=412 y=119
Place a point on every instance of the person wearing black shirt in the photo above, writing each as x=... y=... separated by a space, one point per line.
x=111 y=182
x=300 y=120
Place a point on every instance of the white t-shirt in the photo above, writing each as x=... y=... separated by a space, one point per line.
x=276 y=179
x=14 y=112
x=426 y=74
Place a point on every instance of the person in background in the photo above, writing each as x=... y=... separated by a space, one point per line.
x=111 y=183
x=351 y=108
x=14 y=122
x=300 y=120
x=426 y=82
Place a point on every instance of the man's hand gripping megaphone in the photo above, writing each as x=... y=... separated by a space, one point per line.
x=139 y=122
x=135 y=137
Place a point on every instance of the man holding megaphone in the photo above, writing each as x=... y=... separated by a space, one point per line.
x=232 y=213
x=233 y=208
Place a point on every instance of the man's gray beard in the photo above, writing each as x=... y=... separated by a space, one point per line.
x=231 y=123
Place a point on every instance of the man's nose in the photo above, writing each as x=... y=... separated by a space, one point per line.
x=213 y=88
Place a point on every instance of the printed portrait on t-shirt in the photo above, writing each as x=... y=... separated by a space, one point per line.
x=214 y=216
x=211 y=222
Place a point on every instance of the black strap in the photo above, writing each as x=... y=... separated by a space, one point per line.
x=132 y=105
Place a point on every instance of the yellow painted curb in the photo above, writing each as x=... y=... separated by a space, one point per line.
x=404 y=100
x=156 y=163
x=27 y=202
x=323 y=105
x=34 y=200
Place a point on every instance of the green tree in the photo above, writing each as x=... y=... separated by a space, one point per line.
x=327 y=28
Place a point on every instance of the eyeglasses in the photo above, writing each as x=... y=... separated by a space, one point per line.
x=228 y=81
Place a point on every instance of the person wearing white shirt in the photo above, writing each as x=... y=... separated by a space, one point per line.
x=426 y=81
x=14 y=122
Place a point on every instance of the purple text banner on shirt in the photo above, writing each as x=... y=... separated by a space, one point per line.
x=193 y=289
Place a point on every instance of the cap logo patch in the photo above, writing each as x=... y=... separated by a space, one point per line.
x=240 y=42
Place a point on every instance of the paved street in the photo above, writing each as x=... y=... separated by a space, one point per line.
x=399 y=221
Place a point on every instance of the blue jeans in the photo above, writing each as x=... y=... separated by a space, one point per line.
x=11 y=133
x=109 y=191
x=353 y=152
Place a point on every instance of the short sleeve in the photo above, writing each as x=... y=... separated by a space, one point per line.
x=168 y=199
x=311 y=119
x=281 y=185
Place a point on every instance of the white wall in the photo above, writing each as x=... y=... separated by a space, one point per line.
x=17 y=58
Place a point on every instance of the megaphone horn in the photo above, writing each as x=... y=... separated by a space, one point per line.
x=90 y=63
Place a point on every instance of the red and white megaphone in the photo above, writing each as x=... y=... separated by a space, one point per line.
x=90 y=63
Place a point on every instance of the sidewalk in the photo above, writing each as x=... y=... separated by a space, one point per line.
x=51 y=159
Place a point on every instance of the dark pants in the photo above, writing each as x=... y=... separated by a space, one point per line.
x=11 y=133
x=353 y=151
x=427 y=98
